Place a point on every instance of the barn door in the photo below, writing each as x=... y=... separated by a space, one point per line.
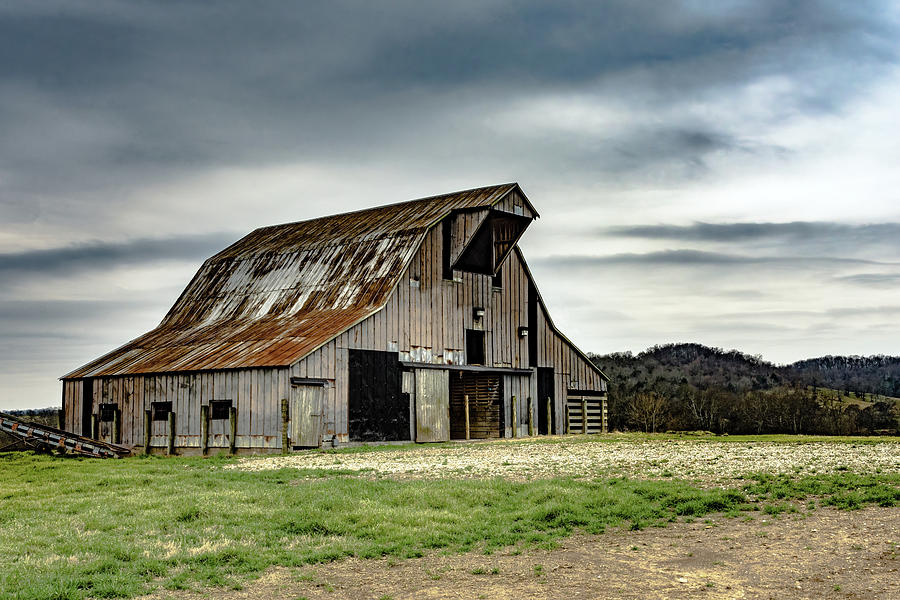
x=377 y=408
x=546 y=404
x=432 y=405
x=87 y=406
x=307 y=407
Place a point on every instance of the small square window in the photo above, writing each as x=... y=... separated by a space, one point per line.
x=160 y=410
x=219 y=409
x=474 y=347
x=108 y=412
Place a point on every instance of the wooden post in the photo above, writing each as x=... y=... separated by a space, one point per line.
x=568 y=420
x=116 y=429
x=232 y=429
x=515 y=419
x=60 y=419
x=170 y=447
x=549 y=416
x=147 y=424
x=95 y=427
x=530 y=417
x=605 y=422
x=466 y=399
x=583 y=414
x=204 y=428
x=284 y=426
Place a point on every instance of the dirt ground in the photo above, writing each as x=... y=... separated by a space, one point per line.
x=824 y=553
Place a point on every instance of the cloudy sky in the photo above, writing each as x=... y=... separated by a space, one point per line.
x=721 y=172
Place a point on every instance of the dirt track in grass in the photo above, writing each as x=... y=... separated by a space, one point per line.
x=825 y=553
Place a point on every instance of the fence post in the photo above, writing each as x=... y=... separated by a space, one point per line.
x=530 y=405
x=549 y=416
x=568 y=420
x=466 y=399
x=116 y=426
x=605 y=421
x=147 y=424
x=515 y=419
x=284 y=426
x=170 y=447
x=583 y=414
x=204 y=428
x=232 y=426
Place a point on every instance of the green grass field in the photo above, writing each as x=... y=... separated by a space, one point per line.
x=79 y=528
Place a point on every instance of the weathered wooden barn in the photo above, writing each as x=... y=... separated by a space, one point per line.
x=412 y=321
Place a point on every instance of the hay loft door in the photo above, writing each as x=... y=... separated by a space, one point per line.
x=307 y=407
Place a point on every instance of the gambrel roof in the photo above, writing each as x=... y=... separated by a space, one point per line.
x=283 y=291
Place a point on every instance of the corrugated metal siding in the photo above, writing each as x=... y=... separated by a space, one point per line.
x=282 y=291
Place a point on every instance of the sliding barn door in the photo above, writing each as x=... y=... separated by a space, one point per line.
x=432 y=405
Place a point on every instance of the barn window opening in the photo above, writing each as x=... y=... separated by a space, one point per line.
x=474 y=347
x=219 y=409
x=160 y=410
x=447 y=246
x=108 y=413
x=497 y=280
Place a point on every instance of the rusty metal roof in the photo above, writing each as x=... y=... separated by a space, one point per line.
x=283 y=291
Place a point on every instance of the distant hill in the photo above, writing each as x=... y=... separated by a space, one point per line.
x=729 y=391
x=860 y=374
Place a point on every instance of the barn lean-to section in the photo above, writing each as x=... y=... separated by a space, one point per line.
x=403 y=322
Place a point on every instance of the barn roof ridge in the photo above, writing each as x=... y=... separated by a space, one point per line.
x=512 y=185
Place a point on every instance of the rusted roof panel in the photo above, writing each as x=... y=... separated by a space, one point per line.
x=283 y=291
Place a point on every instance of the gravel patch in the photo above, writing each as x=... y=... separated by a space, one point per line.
x=704 y=461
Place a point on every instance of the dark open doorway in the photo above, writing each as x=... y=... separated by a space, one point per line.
x=87 y=406
x=485 y=402
x=546 y=403
x=377 y=408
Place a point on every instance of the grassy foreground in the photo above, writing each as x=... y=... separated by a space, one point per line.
x=78 y=528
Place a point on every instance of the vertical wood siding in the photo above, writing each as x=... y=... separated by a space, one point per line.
x=256 y=393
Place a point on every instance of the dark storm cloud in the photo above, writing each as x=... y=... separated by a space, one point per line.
x=875 y=280
x=693 y=258
x=103 y=255
x=838 y=233
x=578 y=41
x=689 y=147
x=55 y=311
x=133 y=91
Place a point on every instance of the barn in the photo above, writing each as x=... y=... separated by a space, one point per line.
x=413 y=321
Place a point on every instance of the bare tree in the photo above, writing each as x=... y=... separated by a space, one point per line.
x=647 y=410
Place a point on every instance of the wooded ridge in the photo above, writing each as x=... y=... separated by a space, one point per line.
x=691 y=386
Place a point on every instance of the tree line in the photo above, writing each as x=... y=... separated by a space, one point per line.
x=694 y=387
